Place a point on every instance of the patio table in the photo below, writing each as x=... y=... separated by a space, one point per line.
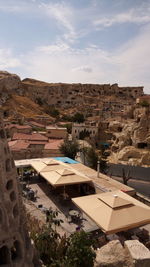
x=74 y=213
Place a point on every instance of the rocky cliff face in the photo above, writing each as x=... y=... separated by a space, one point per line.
x=15 y=244
x=131 y=145
x=9 y=83
x=66 y=95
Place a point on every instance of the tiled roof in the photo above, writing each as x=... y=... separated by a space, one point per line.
x=18 y=145
x=34 y=123
x=53 y=144
x=30 y=137
x=17 y=126
x=37 y=142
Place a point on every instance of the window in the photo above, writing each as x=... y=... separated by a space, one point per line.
x=12 y=196
x=9 y=185
x=4 y=255
x=7 y=165
x=2 y=133
x=15 y=211
x=16 y=251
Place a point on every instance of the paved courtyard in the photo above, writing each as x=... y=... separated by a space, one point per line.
x=47 y=199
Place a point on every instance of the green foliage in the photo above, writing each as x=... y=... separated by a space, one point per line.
x=80 y=252
x=52 y=111
x=59 y=251
x=144 y=103
x=69 y=148
x=67 y=118
x=91 y=157
x=39 y=101
x=38 y=129
x=50 y=245
x=69 y=127
x=83 y=134
x=78 y=117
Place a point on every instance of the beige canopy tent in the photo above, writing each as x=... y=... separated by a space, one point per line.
x=45 y=165
x=57 y=174
x=114 y=211
x=64 y=177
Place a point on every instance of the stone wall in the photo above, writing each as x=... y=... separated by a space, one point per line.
x=15 y=245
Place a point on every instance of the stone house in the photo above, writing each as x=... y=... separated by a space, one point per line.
x=26 y=149
x=15 y=128
x=56 y=132
x=79 y=128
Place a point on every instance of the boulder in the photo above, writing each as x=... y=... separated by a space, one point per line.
x=9 y=81
x=138 y=252
x=115 y=126
x=110 y=255
x=129 y=152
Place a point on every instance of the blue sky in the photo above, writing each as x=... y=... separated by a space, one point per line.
x=87 y=41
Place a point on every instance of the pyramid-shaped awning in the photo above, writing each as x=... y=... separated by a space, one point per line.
x=114 y=211
x=114 y=200
x=64 y=177
x=45 y=166
x=51 y=162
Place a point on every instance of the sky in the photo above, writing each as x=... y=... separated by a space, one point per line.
x=77 y=41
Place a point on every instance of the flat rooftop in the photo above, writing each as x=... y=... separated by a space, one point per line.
x=103 y=183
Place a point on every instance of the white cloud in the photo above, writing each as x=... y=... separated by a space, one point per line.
x=14 y=6
x=136 y=16
x=133 y=60
x=51 y=49
x=83 y=68
x=7 y=60
x=128 y=66
x=64 y=15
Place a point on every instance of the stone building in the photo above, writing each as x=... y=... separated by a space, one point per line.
x=15 y=245
x=56 y=132
x=80 y=128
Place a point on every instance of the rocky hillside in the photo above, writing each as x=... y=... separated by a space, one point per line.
x=71 y=97
x=14 y=103
x=131 y=139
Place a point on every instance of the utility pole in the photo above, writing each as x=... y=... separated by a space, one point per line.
x=98 y=167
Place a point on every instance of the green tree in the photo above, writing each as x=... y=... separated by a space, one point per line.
x=91 y=157
x=83 y=134
x=144 y=103
x=52 y=111
x=78 y=117
x=80 y=252
x=50 y=245
x=59 y=251
x=69 y=127
x=69 y=148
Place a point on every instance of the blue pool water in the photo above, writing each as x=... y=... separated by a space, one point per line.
x=66 y=160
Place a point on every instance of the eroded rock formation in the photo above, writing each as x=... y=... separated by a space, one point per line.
x=15 y=245
x=131 y=144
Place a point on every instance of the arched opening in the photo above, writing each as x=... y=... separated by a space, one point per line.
x=9 y=185
x=5 y=150
x=15 y=211
x=142 y=145
x=2 y=134
x=12 y=163
x=16 y=251
x=12 y=196
x=1 y=217
x=4 y=255
x=7 y=165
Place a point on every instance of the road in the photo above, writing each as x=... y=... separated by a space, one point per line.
x=142 y=187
